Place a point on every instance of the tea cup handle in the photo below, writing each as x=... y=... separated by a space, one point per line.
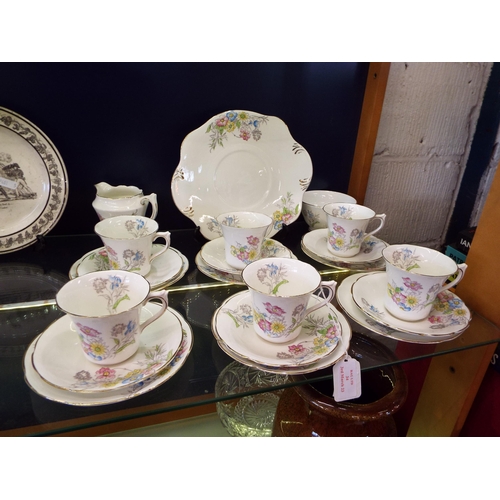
x=166 y=236
x=161 y=295
x=154 y=203
x=330 y=287
x=461 y=272
x=381 y=218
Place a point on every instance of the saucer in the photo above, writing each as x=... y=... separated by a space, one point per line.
x=448 y=314
x=214 y=254
x=232 y=326
x=47 y=391
x=345 y=300
x=204 y=268
x=217 y=267
x=166 y=269
x=315 y=242
x=59 y=359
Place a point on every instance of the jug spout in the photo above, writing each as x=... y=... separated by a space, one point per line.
x=105 y=190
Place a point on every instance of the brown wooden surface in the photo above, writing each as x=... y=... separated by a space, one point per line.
x=373 y=101
x=84 y=426
x=453 y=380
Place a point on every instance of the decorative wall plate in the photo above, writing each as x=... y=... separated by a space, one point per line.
x=241 y=161
x=33 y=182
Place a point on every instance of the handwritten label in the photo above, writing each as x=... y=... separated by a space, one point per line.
x=8 y=183
x=346 y=379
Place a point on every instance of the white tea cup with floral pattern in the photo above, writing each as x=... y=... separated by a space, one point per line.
x=415 y=277
x=244 y=233
x=347 y=227
x=280 y=289
x=129 y=242
x=313 y=203
x=105 y=309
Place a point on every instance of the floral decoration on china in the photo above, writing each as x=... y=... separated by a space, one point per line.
x=242 y=125
x=287 y=210
x=108 y=377
x=341 y=241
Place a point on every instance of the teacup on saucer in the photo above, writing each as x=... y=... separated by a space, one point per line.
x=448 y=314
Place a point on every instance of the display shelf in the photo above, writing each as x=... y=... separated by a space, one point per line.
x=44 y=267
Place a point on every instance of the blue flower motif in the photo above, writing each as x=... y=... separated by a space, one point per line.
x=231 y=115
x=140 y=223
x=273 y=269
x=115 y=282
x=130 y=327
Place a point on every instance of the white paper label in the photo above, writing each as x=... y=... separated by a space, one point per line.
x=346 y=379
x=8 y=183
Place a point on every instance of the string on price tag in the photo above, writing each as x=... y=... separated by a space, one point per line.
x=346 y=379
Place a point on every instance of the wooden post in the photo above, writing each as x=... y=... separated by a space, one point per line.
x=378 y=74
x=453 y=380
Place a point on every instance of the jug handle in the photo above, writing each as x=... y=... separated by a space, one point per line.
x=151 y=198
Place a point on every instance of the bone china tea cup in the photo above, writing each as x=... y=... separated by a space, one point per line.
x=280 y=289
x=347 y=225
x=129 y=242
x=111 y=201
x=313 y=203
x=105 y=308
x=244 y=233
x=415 y=277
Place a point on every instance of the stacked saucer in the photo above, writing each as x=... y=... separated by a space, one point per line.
x=166 y=270
x=323 y=340
x=314 y=245
x=211 y=259
x=361 y=296
x=56 y=368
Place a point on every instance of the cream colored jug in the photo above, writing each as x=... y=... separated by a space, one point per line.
x=111 y=201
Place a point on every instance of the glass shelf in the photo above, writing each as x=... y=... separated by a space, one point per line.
x=30 y=278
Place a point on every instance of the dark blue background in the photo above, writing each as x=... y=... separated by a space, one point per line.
x=124 y=123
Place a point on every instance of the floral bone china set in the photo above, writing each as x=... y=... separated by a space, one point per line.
x=230 y=182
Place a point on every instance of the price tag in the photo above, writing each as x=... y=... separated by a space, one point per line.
x=346 y=379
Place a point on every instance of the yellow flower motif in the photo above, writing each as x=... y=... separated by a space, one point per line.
x=412 y=301
x=440 y=306
x=268 y=243
x=339 y=242
x=115 y=265
x=277 y=215
x=243 y=116
x=252 y=255
x=98 y=349
x=230 y=127
x=460 y=312
x=277 y=327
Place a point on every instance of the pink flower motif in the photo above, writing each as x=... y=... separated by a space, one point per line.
x=222 y=122
x=435 y=319
x=111 y=252
x=338 y=229
x=89 y=332
x=105 y=373
x=264 y=325
x=331 y=332
x=296 y=349
x=412 y=285
x=274 y=309
x=253 y=241
x=245 y=135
